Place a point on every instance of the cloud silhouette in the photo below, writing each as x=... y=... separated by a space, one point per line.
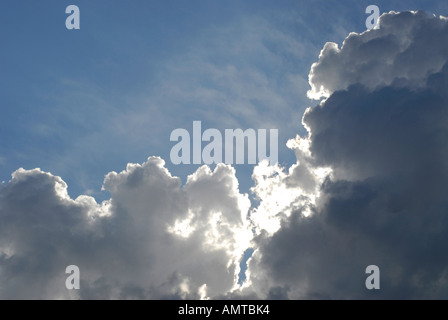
x=383 y=134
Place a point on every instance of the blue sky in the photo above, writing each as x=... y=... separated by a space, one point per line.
x=82 y=103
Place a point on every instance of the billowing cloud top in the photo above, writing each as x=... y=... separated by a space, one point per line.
x=405 y=50
x=369 y=188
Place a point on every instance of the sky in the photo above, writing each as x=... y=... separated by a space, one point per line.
x=85 y=123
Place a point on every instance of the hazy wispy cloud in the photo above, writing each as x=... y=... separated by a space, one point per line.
x=235 y=75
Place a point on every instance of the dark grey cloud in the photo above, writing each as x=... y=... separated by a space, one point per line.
x=384 y=135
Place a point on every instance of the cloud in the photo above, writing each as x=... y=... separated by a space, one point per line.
x=404 y=51
x=369 y=187
x=382 y=132
x=130 y=246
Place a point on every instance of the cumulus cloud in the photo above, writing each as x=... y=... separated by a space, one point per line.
x=406 y=49
x=369 y=187
x=131 y=246
x=382 y=131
